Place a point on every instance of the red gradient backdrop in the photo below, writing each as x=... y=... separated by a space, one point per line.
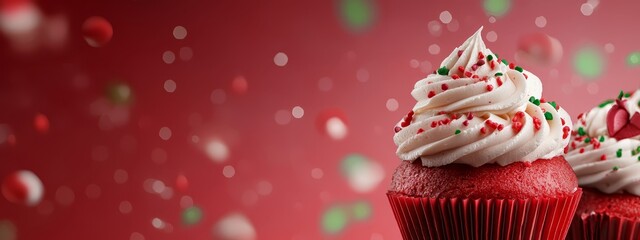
x=285 y=175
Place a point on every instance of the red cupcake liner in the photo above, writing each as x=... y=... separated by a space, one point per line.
x=457 y=218
x=596 y=226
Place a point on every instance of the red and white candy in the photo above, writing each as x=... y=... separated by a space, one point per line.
x=23 y=187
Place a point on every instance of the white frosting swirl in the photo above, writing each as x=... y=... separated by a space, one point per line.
x=506 y=126
x=603 y=162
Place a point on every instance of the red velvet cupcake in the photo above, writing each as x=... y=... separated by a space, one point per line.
x=480 y=154
x=605 y=154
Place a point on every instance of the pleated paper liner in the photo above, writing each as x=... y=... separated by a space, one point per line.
x=598 y=226
x=533 y=219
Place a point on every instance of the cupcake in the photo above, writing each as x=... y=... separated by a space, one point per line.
x=605 y=154
x=481 y=154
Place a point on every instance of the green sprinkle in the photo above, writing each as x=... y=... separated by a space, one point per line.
x=518 y=68
x=638 y=158
x=615 y=168
x=627 y=95
x=505 y=61
x=498 y=74
x=638 y=103
x=457 y=131
x=532 y=98
x=489 y=58
x=638 y=149
x=619 y=153
x=601 y=138
x=581 y=131
x=587 y=140
x=553 y=104
x=537 y=102
x=605 y=103
x=443 y=71
x=548 y=115
x=620 y=95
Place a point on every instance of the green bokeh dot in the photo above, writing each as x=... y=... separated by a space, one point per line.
x=352 y=162
x=361 y=210
x=633 y=59
x=588 y=62
x=191 y=215
x=497 y=8
x=357 y=14
x=119 y=93
x=334 y=220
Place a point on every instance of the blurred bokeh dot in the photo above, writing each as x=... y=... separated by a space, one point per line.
x=264 y=188
x=586 y=9
x=413 y=63
x=167 y=193
x=186 y=53
x=633 y=59
x=362 y=173
x=297 y=112
x=157 y=223
x=541 y=21
x=497 y=8
x=158 y=186
x=41 y=123
x=125 y=207
x=191 y=215
x=23 y=187
x=362 y=75
x=186 y=201
x=361 y=210
x=45 y=207
x=426 y=67
x=179 y=32
x=120 y=176
x=357 y=15
x=376 y=236
x=317 y=173
x=229 y=171
x=434 y=49
x=218 y=96
x=97 y=31
x=65 y=196
x=165 y=133
x=588 y=62
x=234 y=226
x=453 y=26
x=609 y=48
x=8 y=230
x=119 y=93
x=281 y=59
x=93 y=191
x=158 y=155
x=249 y=198
x=325 y=84
x=217 y=151
x=445 y=17
x=492 y=36
x=593 y=88
x=392 y=104
x=336 y=128
x=170 y=86
x=136 y=236
x=492 y=19
x=282 y=117
x=240 y=85
x=334 y=220
x=168 y=57
x=435 y=28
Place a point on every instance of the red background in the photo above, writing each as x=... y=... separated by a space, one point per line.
x=241 y=38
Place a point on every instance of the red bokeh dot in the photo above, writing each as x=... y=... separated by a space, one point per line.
x=182 y=183
x=97 y=31
x=41 y=123
x=239 y=85
x=14 y=189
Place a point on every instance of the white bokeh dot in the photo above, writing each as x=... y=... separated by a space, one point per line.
x=336 y=128
x=264 y=188
x=609 y=48
x=218 y=96
x=165 y=133
x=136 y=236
x=217 y=150
x=186 y=201
x=179 y=32
x=229 y=171
x=453 y=26
x=445 y=17
x=426 y=66
x=434 y=49
x=362 y=75
x=65 y=196
x=168 y=57
x=170 y=86
x=593 y=88
x=282 y=117
x=541 y=21
x=281 y=59
x=93 y=191
x=413 y=63
x=325 y=84
x=492 y=36
x=586 y=9
x=249 y=197
x=317 y=173
x=297 y=112
x=186 y=53
x=435 y=28
x=120 y=176
x=392 y=104
x=125 y=207
x=492 y=19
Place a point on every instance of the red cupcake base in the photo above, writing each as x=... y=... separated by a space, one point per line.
x=455 y=218
x=603 y=226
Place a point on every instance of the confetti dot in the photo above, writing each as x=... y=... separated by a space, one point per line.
x=170 y=86
x=282 y=117
x=93 y=191
x=413 y=63
x=434 y=49
x=264 y=188
x=445 y=17
x=218 y=96
x=97 y=31
x=168 y=57
x=159 y=155
x=357 y=15
x=217 y=151
x=165 y=133
x=8 y=230
x=609 y=48
x=23 y=187
x=435 y=28
x=541 y=21
x=41 y=123
x=633 y=59
x=125 y=207
x=497 y=8
x=136 y=236
x=392 y=104
x=334 y=220
x=65 y=196
x=588 y=62
x=120 y=176
x=234 y=226
x=361 y=210
x=297 y=112
x=492 y=36
x=325 y=84
x=191 y=215
x=229 y=171
x=239 y=85
x=186 y=53
x=179 y=32
x=317 y=173
x=280 y=59
x=362 y=75
x=586 y=9
x=186 y=201
x=336 y=128
x=363 y=174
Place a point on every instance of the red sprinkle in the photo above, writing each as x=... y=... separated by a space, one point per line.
x=499 y=81
x=517 y=126
x=565 y=132
x=431 y=94
x=397 y=129
x=465 y=123
x=444 y=87
x=474 y=67
x=459 y=53
x=467 y=74
x=596 y=145
x=562 y=120
x=573 y=145
x=525 y=76
x=512 y=66
x=455 y=76
x=489 y=88
x=446 y=121
x=475 y=76
x=410 y=113
x=580 y=115
x=537 y=124
x=500 y=127
x=420 y=131
x=404 y=124
x=483 y=130
x=442 y=112
x=480 y=62
x=492 y=64
x=485 y=78
x=461 y=68
x=434 y=124
x=480 y=55
x=542 y=100
x=603 y=157
x=566 y=149
x=581 y=150
x=469 y=116
x=455 y=116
